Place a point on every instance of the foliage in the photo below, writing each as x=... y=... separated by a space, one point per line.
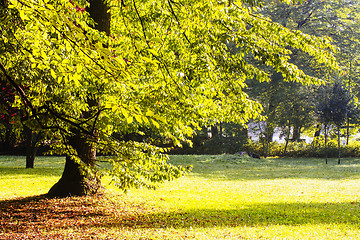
x=222 y=138
x=335 y=106
x=338 y=20
x=165 y=67
x=7 y=115
x=235 y=197
x=340 y=105
x=314 y=149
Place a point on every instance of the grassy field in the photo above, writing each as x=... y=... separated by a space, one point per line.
x=224 y=197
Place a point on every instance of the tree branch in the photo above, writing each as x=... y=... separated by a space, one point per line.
x=19 y=89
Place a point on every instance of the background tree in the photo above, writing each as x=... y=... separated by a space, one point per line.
x=13 y=130
x=341 y=106
x=335 y=19
x=324 y=111
x=296 y=112
x=335 y=105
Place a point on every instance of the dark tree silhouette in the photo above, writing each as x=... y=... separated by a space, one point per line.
x=335 y=106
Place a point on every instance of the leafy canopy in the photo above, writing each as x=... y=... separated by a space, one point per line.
x=166 y=66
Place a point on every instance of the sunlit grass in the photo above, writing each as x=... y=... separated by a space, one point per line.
x=16 y=181
x=224 y=197
x=233 y=197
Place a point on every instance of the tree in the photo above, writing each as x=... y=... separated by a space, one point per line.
x=341 y=107
x=288 y=108
x=324 y=111
x=335 y=106
x=296 y=111
x=336 y=19
x=164 y=66
x=73 y=176
x=12 y=129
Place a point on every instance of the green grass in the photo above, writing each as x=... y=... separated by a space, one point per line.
x=16 y=181
x=224 y=197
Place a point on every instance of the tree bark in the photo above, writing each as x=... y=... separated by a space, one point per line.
x=214 y=131
x=269 y=133
x=30 y=156
x=287 y=138
x=75 y=180
x=318 y=130
x=99 y=12
x=296 y=133
x=31 y=148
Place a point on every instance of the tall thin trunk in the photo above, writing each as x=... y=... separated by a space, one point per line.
x=338 y=145
x=347 y=131
x=296 y=132
x=31 y=148
x=318 y=130
x=271 y=111
x=287 y=138
x=214 y=131
x=326 y=153
x=220 y=130
x=347 y=117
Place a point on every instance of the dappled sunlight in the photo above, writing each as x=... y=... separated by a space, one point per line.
x=118 y=216
x=225 y=197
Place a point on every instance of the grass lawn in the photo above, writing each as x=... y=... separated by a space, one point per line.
x=224 y=197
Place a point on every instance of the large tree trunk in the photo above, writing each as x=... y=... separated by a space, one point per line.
x=76 y=181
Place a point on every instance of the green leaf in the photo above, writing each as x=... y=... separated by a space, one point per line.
x=156 y=124
x=149 y=113
x=138 y=118
x=53 y=74
x=129 y=119
x=125 y=113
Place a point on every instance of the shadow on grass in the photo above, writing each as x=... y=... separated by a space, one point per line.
x=255 y=215
x=82 y=215
x=236 y=167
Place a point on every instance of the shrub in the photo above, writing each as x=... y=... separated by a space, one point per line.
x=302 y=149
